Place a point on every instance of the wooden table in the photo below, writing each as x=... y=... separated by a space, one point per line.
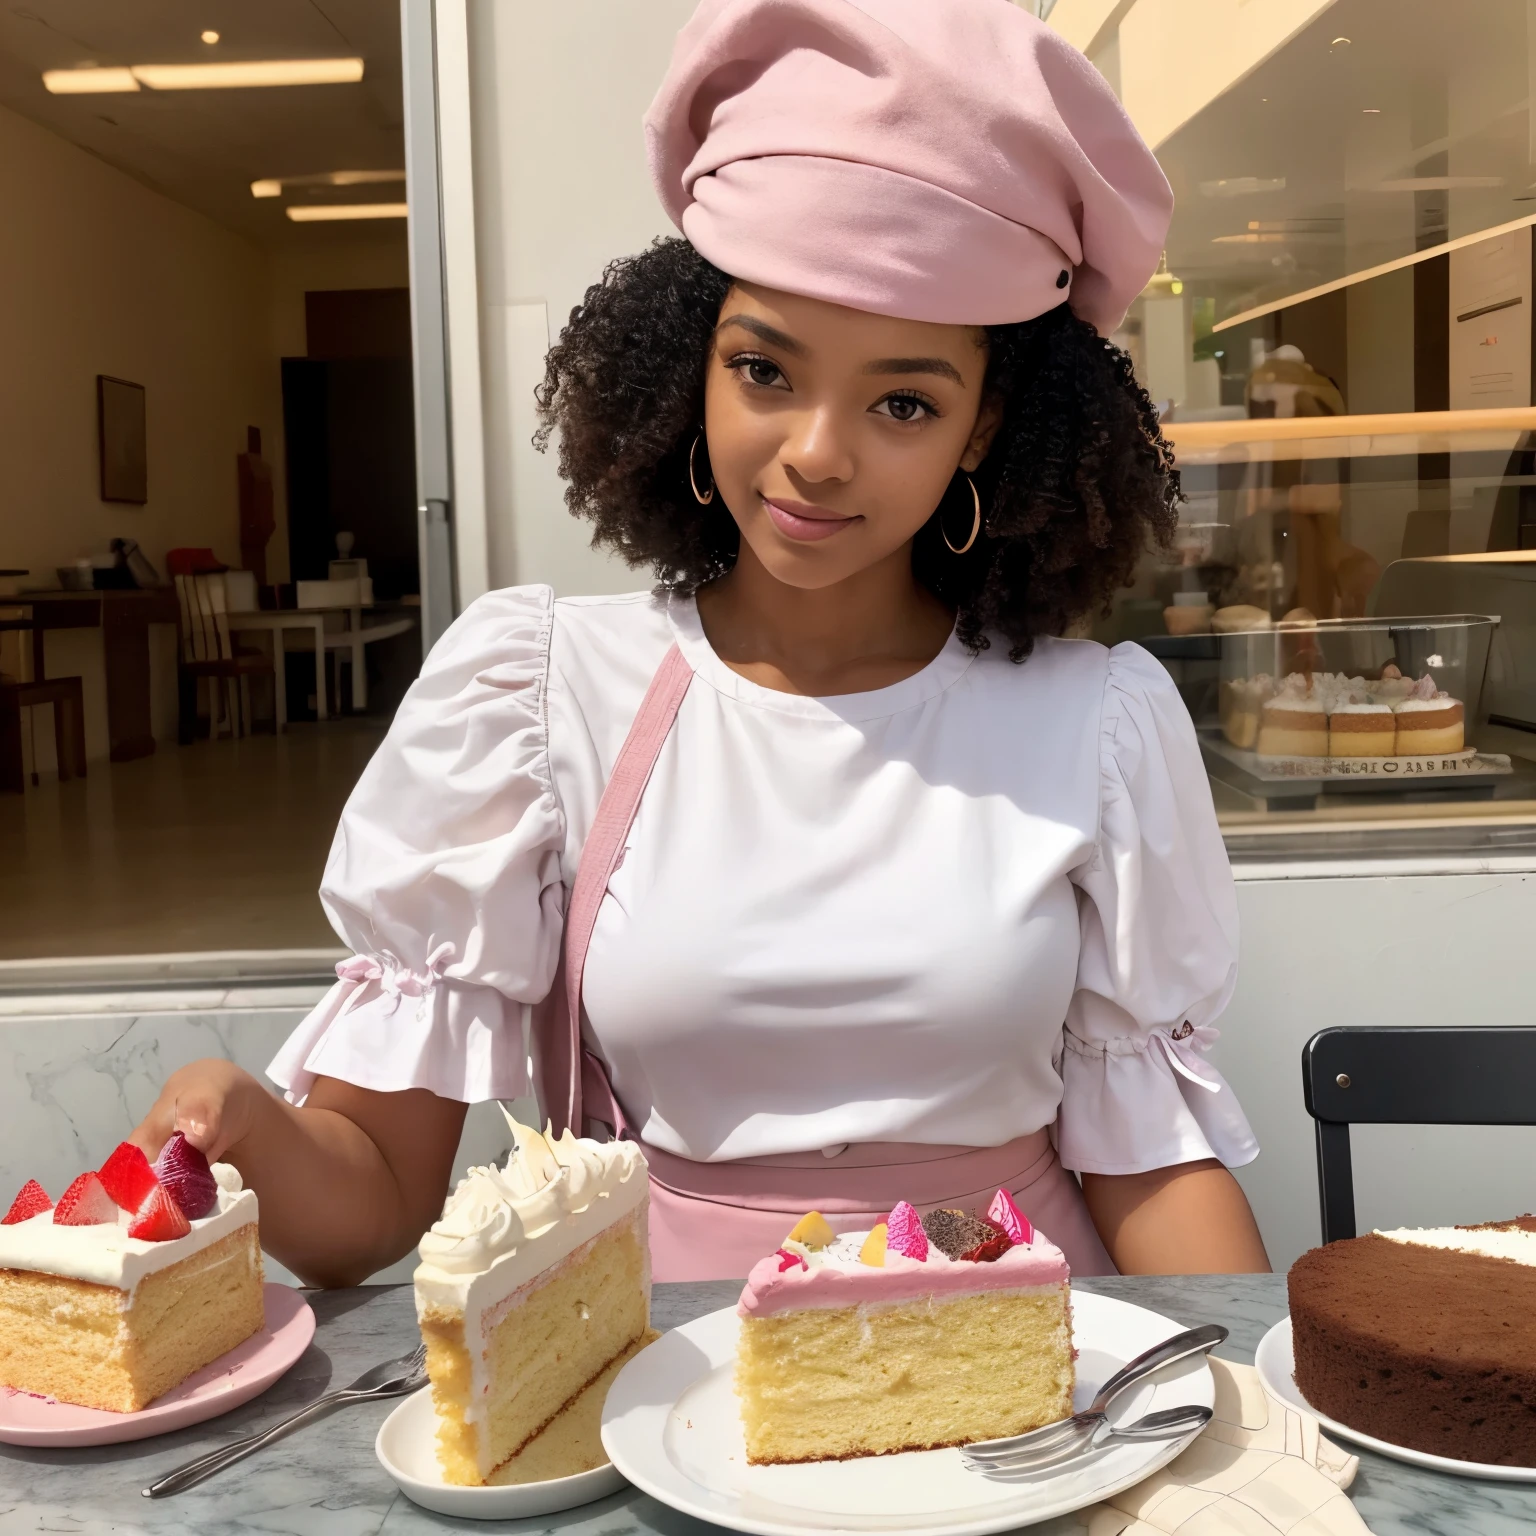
x=124 y=618
x=325 y=1478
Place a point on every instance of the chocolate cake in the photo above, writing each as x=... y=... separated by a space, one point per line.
x=1424 y=1337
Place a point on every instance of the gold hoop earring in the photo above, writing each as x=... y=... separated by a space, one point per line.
x=702 y=497
x=975 y=521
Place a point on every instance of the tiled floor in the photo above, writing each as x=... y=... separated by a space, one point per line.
x=215 y=846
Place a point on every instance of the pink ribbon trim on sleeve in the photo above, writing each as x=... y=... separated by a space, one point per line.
x=396 y=981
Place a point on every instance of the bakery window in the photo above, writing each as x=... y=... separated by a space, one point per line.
x=1339 y=343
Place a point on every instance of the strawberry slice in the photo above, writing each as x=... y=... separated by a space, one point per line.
x=32 y=1201
x=159 y=1220
x=185 y=1172
x=85 y=1204
x=127 y=1176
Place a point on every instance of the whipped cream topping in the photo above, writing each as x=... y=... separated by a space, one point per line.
x=503 y=1227
x=104 y=1254
x=550 y=1198
x=1503 y=1241
x=835 y=1277
x=1337 y=693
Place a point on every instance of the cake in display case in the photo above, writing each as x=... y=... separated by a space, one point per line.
x=1338 y=703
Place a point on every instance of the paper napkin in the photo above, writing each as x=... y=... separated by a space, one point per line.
x=1259 y=1469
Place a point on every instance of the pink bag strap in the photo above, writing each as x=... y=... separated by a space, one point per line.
x=599 y=858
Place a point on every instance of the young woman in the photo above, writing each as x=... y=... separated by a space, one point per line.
x=867 y=885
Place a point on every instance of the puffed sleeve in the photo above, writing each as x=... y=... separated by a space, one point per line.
x=444 y=876
x=1158 y=959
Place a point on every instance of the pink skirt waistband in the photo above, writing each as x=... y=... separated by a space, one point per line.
x=859 y=1179
x=714 y=1221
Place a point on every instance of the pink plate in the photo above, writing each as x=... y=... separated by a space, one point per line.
x=230 y=1380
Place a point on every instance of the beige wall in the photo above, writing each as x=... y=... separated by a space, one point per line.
x=98 y=274
x=317 y=257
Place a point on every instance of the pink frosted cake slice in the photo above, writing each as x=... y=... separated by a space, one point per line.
x=924 y=1332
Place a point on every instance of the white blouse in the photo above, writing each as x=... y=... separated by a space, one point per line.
x=952 y=911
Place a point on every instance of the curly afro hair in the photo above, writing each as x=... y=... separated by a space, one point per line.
x=1076 y=484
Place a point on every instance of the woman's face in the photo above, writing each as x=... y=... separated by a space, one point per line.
x=833 y=433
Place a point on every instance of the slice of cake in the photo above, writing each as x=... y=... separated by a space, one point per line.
x=924 y=1332
x=138 y=1277
x=1360 y=727
x=532 y=1289
x=1427 y=727
x=1424 y=1337
x=1241 y=701
x=1294 y=724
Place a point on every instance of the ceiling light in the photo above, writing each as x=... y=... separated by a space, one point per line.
x=253 y=72
x=1241 y=186
x=273 y=186
x=210 y=37
x=1162 y=283
x=1339 y=42
x=319 y=213
x=1371 y=111
x=204 y=77
x=88 y=82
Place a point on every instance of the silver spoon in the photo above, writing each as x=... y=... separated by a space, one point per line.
x=1165 y=1424
x=1193 y=1341
x=395 y=1378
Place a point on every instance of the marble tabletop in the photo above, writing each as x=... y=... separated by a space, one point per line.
x=325 y=1479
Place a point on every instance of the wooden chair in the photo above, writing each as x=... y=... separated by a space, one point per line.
x=1360 y=1075
x=64 y=694
x=205 y=649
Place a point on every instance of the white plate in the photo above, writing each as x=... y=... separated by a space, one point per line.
x=1275 y=1364
x=672 y=1427
x=407 y=1448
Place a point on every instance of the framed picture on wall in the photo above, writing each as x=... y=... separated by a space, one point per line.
x=121 y=437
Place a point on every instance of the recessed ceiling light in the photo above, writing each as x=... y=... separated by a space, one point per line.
x=88 y=82
x=1339 y=42
x=1371 y=111
x=273 y=186
x=324 y=213
x=210 y=37
x=204 y=77
x=256 y=72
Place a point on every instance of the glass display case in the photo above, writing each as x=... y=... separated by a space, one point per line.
x=1339 y=344
x=1290 y=711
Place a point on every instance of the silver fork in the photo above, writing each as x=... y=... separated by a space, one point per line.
x=1064 y=1432
x=1164 y=1424
x=395 y=1378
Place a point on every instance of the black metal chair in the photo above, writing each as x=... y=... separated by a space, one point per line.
x=1362 y=1075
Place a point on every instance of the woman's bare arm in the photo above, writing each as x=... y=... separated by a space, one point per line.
x=1190 y=1219
x=347 y=1184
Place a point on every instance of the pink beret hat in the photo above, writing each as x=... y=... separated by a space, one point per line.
x=946 y=160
